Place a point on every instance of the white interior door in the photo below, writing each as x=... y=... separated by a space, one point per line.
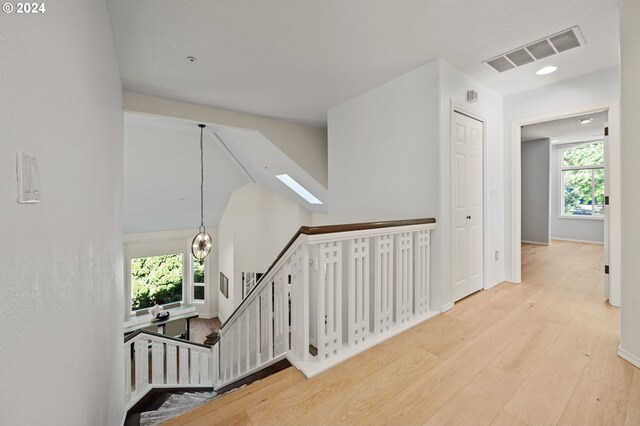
x=606 y=212
x=467 y=140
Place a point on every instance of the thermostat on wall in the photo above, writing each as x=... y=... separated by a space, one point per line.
x=28 y=178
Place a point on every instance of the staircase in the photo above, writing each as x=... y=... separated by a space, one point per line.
x=162 y=406
x=332 y=292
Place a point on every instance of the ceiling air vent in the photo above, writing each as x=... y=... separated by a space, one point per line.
x=549 y=46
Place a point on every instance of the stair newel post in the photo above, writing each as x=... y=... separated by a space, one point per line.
x=142 y=364
x=127 y=371
x=215 y=364
x=306 y=277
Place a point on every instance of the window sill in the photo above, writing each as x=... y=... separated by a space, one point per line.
x=581 y=217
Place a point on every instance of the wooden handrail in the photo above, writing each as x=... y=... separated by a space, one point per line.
x=329 y=229
x=136 y=333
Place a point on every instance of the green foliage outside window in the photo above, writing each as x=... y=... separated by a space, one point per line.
x=584 y=155
x=198 y=271
x=583 y=188
x=156 y=279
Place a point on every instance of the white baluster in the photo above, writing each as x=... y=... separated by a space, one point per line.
x=299 y=271
x=195 y=367
x=142 y=364
x=172 y=364
x=256 y=330
x=404 y=277
x=183 y=354
x=358 y=301
x=383 y=283
x=421 y=304
x=157 y=362
x=205 y=375
x=280 y=331
x=330 y=300
x=216 y=364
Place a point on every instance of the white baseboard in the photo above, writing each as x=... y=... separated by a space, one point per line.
x=628 y=356
x=447 y=307
x=535 y=242
x=578 y=241
x=490 y=286
x=208 y=316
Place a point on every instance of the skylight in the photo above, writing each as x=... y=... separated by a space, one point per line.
x=298 y=189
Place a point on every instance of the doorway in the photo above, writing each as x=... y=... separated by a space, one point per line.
x=579 y=183
x=467 y=139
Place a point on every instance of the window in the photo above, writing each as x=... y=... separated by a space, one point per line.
x=582 y=171
x=156 y=280
x=198 y=279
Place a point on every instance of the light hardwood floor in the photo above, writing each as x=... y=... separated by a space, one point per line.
x=543 y=352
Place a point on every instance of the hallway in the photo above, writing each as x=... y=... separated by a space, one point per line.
x=543 y=352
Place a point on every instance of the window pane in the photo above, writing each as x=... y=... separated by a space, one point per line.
x=577 y=192
x=598 y=178
x=198 y=271
x=584 y=155
x=198 y=292
x=156 y=279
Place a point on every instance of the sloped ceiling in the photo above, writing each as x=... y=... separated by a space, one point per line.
x=162 y=172
x=295 y=59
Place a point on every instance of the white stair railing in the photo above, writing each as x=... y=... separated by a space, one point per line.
x=153 y=360
x=334 y=291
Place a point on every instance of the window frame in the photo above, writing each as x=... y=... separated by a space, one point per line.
x=192 y=283
x=563 y=168
x=161 y=244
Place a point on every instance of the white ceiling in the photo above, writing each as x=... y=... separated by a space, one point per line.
x=162 y=172
x=567 y=130
x=294 y=59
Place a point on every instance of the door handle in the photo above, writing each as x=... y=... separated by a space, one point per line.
x=468 y=217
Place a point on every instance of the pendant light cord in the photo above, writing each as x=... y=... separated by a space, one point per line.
x=201 y=180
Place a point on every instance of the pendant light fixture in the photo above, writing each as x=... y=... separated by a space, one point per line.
x=202 y=243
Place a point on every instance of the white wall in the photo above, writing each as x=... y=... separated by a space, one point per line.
x=535 y=190
x=305 y=145
x=255 y=226
x=61 y=260
x=566 y=228
x=454 y=85
x=593 y=91
x=159 y=243
x=630 y=69
x=389 y=158
x=162 y=178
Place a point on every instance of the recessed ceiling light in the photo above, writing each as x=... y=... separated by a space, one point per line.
x=546 y=70
x=191 y=58
x=555 y=140
x=298 y=189
x=585 y=120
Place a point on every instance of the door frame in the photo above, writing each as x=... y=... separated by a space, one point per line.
x=469 y=112
x=613 y=186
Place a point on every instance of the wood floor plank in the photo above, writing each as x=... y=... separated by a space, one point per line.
x=607 y=367
x=482 y=398
x=540 y=352
x=521 y=357
x=305 y=405
x=542 y=397
x=633 y=407
x=595 y=403
x=505 y=419
x=226 y=407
